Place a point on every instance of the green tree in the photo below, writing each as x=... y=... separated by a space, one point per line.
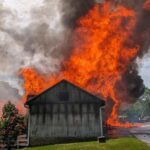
x=145 y=102
x=141 y=108
x=12 y=123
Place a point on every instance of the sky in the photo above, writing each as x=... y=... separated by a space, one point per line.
x=144 y=69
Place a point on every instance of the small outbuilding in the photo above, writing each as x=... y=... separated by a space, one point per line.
x=64 y=113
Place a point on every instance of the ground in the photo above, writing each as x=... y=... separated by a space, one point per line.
x=142 y=132
x=113 y=144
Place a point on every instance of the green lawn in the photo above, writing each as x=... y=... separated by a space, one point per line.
x=115 y=144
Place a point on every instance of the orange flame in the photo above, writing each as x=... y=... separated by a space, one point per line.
x=99 y=57
x=146 y=5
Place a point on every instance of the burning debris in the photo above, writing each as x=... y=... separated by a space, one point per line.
x=104 y=41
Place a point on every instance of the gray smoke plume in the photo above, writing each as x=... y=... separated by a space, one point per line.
x=38 y=43
x=10 y=93
x=30 y=36
x=36 y=34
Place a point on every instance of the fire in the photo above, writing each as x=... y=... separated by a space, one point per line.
x=146 y=5
x=99 y=57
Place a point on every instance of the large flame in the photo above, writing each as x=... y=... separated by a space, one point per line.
x=99 y=57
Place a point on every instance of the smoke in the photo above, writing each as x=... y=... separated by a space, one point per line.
x=141 y=36
x=131 y=86
x=38 y=44
x=30 y=35
x=35 y=34
x=8 y=93
x=38 y=34
x=73 y=10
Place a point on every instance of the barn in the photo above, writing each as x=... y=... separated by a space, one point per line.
x=64 y=113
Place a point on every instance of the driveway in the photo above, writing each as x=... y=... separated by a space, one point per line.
x=142 y=132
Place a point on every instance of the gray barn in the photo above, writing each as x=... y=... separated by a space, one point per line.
x=64 y=113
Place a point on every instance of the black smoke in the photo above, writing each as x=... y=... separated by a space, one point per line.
x=74 y=9
x=131 y=84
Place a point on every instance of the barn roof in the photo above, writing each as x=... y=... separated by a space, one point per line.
x=95 y=98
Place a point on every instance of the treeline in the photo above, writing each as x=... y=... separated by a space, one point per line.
x=139 y=111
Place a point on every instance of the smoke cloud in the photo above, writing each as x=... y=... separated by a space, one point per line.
x=141 y=37
x=35 y=34
x=73 y=10
x=38 y=34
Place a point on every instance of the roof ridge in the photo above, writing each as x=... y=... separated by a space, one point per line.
x=61 y=81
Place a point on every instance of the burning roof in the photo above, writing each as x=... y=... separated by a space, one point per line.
x=62 y=86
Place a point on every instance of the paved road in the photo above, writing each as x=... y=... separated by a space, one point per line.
x=142 y=133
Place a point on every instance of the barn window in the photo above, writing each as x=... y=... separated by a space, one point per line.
x=64 y=96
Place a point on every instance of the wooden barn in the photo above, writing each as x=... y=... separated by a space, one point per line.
x=64 y=113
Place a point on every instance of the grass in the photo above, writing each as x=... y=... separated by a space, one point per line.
x=113 y=144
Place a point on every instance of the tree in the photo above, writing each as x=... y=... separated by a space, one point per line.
x=12 y=123
x=141 y=108
x=145 y=100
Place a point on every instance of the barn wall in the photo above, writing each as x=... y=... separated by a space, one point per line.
x=64 y=112
x=75 y=122
x=71 y=121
